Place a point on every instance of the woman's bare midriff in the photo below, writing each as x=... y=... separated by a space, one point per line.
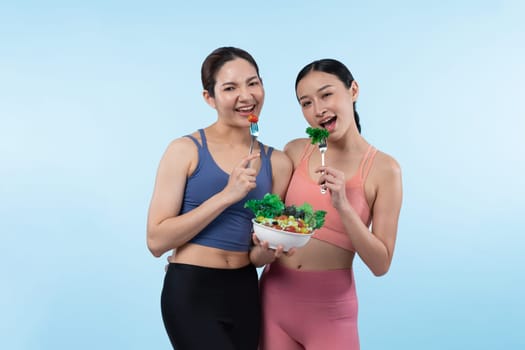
x=195 y=254
x=318 y=255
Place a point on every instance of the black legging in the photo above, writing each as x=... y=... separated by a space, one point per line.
x=207 y=308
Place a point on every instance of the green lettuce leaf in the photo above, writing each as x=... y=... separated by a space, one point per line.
x=317 y=134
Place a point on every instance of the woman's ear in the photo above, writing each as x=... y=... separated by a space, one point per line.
x=209 y=99
x=354 y=90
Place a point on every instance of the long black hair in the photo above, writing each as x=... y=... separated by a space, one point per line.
x=334 y=67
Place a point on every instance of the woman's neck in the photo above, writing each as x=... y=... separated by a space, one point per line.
x=219 y=132
x=352 y=141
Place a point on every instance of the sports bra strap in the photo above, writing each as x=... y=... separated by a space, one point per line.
x=368 y=160
x=307 y=151
x=195 y=141
x=263 y=151
x=203 y=138
x=364 y=166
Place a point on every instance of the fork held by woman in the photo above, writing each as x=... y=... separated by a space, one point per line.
x=254 y=132
x=322 y=148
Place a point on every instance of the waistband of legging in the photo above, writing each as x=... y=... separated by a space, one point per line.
x=308 y=283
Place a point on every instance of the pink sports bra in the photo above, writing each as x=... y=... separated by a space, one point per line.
x=303 y=188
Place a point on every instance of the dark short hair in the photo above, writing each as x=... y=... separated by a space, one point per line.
x=214 y=62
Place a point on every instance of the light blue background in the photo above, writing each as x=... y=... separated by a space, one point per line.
x=92 y=92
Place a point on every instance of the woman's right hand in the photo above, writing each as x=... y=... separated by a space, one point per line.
x=261 y=253
x=242 y=179
x=335 y=182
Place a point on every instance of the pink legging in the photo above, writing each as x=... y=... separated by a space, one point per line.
x=312 y=310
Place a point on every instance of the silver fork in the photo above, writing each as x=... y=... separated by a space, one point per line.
x=322 y=148
x=254 y=131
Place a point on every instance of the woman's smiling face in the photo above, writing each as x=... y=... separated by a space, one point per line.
x=325 y=101
x=238 y=91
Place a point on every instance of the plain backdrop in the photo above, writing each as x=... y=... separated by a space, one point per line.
x=91 y=93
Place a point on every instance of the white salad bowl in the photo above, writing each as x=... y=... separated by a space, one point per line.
x=276 y=237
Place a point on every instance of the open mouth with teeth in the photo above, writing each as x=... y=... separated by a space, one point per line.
x=329 y=124
x=246 y=111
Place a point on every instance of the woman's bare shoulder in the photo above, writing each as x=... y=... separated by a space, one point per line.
x=281 y=159
x=385 y=167
x=181 y=151
x=295 y=148
x=184 y=143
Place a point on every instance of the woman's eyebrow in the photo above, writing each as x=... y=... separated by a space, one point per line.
x=234 y=83
x=318 y=90
x=323 y=87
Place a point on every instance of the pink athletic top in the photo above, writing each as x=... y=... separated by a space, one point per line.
x=303 y=188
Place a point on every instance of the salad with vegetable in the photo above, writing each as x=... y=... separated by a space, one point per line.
x=271 y=211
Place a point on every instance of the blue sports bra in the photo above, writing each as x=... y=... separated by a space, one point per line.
x=232 y=229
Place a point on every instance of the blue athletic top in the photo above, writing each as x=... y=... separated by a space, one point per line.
x=232 y=229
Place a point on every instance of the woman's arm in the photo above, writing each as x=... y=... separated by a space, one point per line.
x=166 y=229
x=261 y=254
x=281 y=172
x=376 y=249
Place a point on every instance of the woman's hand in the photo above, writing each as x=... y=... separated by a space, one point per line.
x=242 y=179
x=261 y=254
x=335 y=182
